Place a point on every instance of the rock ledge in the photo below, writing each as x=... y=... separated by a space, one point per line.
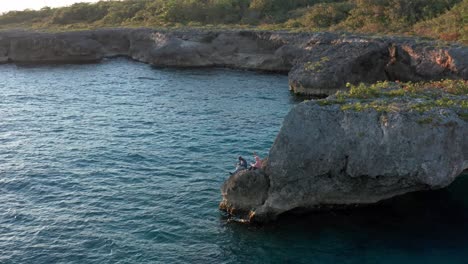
x=329 y=153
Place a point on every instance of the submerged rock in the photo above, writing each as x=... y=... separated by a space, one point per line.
x=317 y=63
x=340 y=153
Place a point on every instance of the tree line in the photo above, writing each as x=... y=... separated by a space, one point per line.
x=445 y=19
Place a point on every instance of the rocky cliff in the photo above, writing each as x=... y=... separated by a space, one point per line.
x=317 y=63
x=347 y=151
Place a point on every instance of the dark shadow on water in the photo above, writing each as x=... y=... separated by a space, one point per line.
x=411 y=222
x=214 y=68
x=54 y=63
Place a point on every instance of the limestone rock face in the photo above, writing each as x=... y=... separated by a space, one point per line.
x=327 y=67
x=244 y=191
x=61 y=47
x=331 y=61
x=113 y=42
x=324 y=156
x=241 y=50
x=317 y=63
x=4 y=48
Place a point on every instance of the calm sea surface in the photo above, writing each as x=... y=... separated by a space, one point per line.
x=120 y=162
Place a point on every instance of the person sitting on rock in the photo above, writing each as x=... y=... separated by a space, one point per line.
x=240 y=165
x=257 y=164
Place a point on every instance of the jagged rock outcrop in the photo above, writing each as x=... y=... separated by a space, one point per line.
x=325 y=156
x=330 y=65
x=245 y=191
x=317 y=63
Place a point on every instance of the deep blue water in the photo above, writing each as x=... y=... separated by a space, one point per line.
x=120 y=162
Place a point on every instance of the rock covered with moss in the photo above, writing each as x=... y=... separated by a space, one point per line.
x=365 y=146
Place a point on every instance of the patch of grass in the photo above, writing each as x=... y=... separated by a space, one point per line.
x=443 y=103
x=426 y=120
x=326 y=102
x=422 y=107
x=464 y=104
x=456 y=87
x=396 y=93
x=339 y=100
x=362 y=91
x=358 y=107
x=463 y=115
x=432 y=89
x=395 y=96
x=316 y=66
x=379 y=106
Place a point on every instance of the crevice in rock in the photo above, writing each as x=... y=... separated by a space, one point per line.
x=344 y=170
x=268 y=182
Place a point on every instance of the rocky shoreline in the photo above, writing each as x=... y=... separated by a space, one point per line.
x=336 y=152
x=317 y=63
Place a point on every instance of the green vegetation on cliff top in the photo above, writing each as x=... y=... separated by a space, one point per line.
x=442 y=19
x=395 y=96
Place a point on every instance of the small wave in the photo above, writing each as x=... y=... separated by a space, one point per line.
x=136 y=157
x=266 y=98
x=147 y=78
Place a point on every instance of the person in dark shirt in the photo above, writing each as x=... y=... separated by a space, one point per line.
x=240 y=165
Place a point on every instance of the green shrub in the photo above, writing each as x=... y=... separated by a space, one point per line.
x=362 y=91
x=326 y=14
x=80 y=13
x=444 y=19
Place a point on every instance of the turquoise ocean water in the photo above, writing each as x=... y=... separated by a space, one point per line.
x=120 y=162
